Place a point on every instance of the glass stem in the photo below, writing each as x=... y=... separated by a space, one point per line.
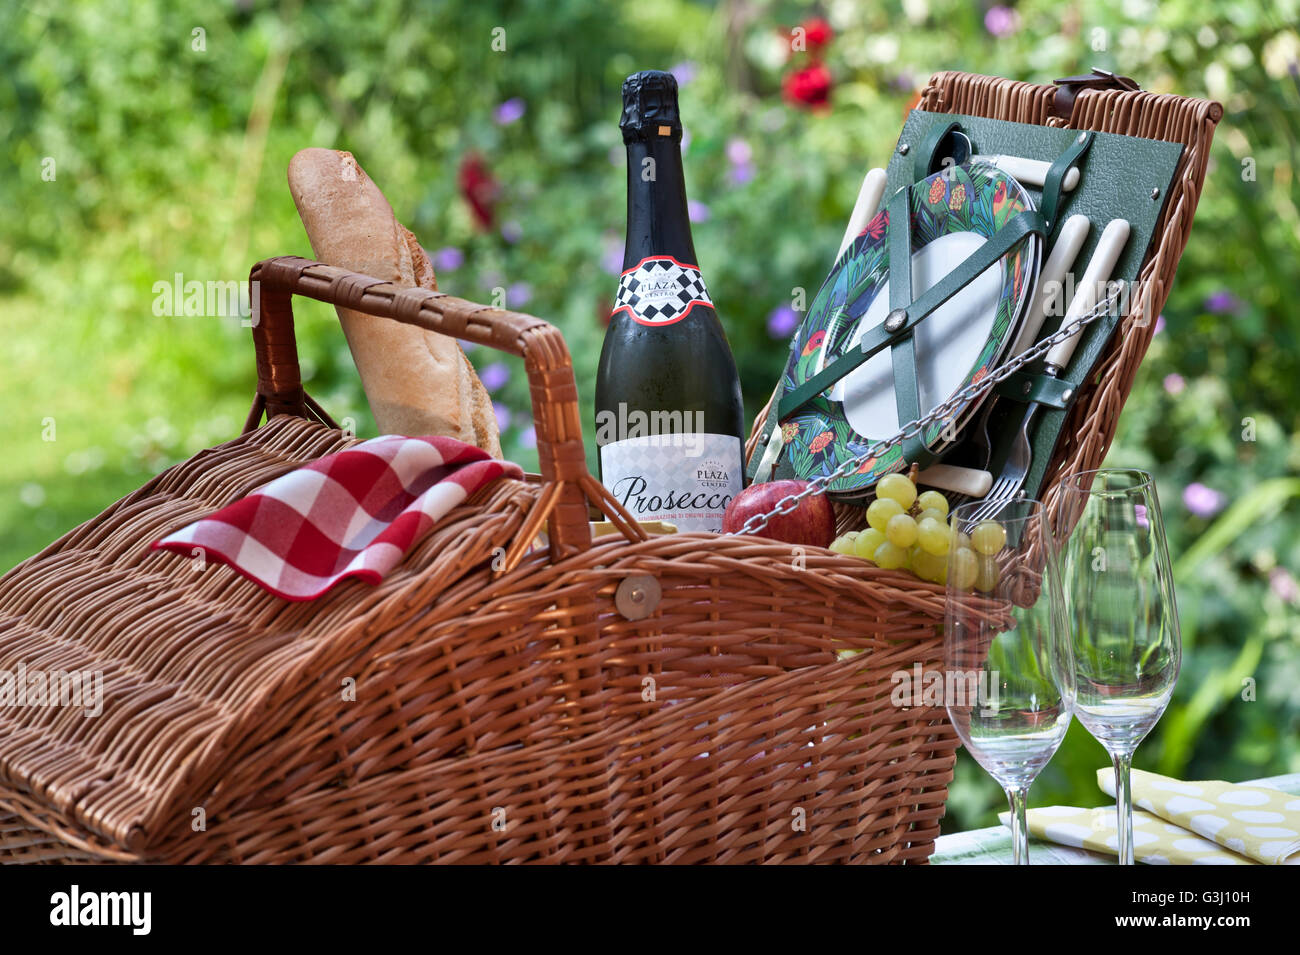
x=1018 y=798
x=1123 y=807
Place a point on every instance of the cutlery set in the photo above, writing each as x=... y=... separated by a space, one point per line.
x=992 y=264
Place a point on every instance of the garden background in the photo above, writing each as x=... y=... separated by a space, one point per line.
x=148 y=139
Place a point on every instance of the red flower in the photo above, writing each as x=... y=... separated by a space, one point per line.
x=479 y=188
x=876 y=227
x=821 y=441
x=809 y=87
x=814 y=342
x=817 y=32
x=937 y=190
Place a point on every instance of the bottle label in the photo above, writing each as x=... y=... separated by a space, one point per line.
x=659 y=290
x=684 y=479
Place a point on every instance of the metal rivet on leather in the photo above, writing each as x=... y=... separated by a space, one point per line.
x=895 y=319
x=637 y=596
x=904 y=149
x=1155 y=193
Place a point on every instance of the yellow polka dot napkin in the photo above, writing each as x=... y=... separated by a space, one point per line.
x=1155 y=841
x=1254 y=821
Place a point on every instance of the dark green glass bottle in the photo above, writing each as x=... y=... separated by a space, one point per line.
x=669 y=416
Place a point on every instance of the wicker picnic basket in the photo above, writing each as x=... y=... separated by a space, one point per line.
x=682 y=698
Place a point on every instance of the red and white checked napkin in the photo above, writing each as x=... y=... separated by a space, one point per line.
x=351 y=514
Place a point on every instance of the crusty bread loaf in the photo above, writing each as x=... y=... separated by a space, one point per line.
x=417 y=382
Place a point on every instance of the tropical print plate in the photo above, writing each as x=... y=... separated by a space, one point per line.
x=953 y=213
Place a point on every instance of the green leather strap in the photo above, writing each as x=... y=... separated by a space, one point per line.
x=1025 y=223
x=923 y=164
x=1039 y=389
x=1051 y=202
x=902 y=351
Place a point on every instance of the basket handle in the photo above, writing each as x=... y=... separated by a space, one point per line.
x=566 y=482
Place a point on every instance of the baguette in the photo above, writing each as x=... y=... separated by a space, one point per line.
x=416 y=381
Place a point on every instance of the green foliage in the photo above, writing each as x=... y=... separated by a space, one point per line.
x=171 y=160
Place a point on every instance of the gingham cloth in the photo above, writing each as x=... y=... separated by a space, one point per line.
x=351 y=514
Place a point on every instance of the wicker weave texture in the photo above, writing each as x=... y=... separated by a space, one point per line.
x=722 y=728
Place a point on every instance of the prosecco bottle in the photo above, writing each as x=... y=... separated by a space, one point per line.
x=669 y=417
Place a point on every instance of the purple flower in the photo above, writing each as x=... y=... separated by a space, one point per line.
x=1160 y=325
x=611 y=260
x=1140 y=515
x=684 y=72
x=1223 y=302
x=503 y=415
x=739 y=152
x=494 y=375
x=742 y=174
x=686 y=139
x=510 y=111
x=1284 y=585
x=519 y=294
x=741 y=157
x=1202 y=501
x=467 y=346
x=448 y=259
x=512 y=231
x=905 y=82
x=782 y=321
x=1001 y=21
x=1174 y=384
x=528 y=437
x=697 y=211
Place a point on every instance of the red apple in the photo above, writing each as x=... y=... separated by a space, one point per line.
x=812 y=522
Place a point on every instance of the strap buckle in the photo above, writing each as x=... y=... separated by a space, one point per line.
x=1069 y=87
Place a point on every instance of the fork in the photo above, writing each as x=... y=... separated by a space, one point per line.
x=1008 y=486
x=1014 y=471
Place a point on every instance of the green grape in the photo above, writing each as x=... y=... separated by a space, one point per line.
x=890 y=556
x=866 y=543
x=988 y=575
x=896 y=487
x=842 y=545
x=901 y=530
x=881 y=510
x=933 y=501
x=961 y=540
x=931 y=513
x=988 y=537
x=964 y=566
x=931 y=567
x=934 y=537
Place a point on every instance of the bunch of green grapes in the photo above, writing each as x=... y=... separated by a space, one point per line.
x=912 y=531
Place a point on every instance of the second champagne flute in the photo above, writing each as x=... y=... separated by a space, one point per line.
x=1120 y=596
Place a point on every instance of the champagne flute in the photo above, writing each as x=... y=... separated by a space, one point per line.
x=1120 y=596
x=1009 y=678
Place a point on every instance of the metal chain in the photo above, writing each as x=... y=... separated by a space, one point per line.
x=940 y=412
